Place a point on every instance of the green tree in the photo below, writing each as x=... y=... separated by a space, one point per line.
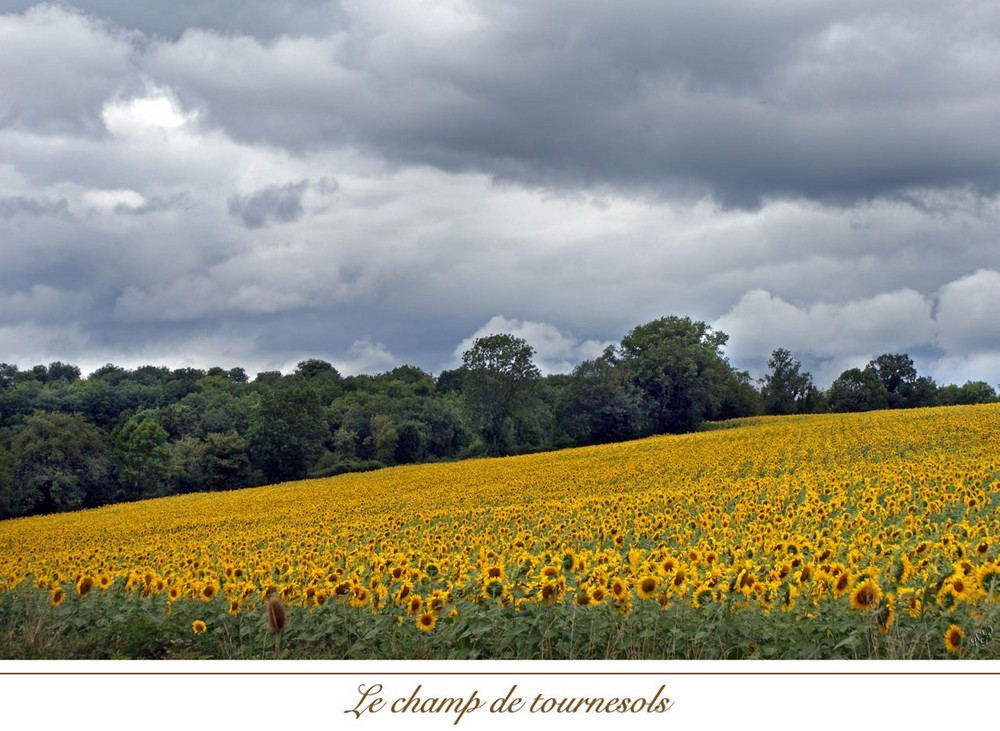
x=287 y=431
x=971 y=392
x=498 y=384
x=187 y=461
x=411 y=442
x=6 y=482
x=903 y=387
x=857 y=390
x=383 y=438
x=679 y=370
x=598 y=404
x=739 y=398
x=141 y=456
x=446 y=430
x=322 y=377
x=345 y=444
x=224 y=462
x=60 y=463
x=786 y=388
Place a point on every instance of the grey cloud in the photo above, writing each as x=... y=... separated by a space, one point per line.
x=20 y=205
x=833 y=101
x=60 y=67
x=278 y=203
x=169 y=19
x=580 y=167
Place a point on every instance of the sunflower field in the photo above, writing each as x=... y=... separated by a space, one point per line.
x=825 y=536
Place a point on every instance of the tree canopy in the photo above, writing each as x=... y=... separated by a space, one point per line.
x=679 y=370
x=69 y=441
x=498 y=383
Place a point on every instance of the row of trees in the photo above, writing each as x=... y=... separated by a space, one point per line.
x=68 y=442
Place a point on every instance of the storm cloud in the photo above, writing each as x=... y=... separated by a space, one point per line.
x=377 y=183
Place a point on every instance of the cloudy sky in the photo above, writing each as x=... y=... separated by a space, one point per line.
x=256 y=182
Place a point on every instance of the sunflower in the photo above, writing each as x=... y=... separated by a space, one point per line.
x=175 y=593
x=198 y=627
x=646 y=587
x=360 y=597
x=679 y=577
x=885 y=615
x=911 y=602
x=208 y=591
x=84 y=585
x=962 y=586
x=953 y=639
x=415 y=604
x=866 y=595
x=786 y=597
x=619 y=590
x=57 y=596
x=426 y=621
x=842 y=584
x=548 y=591
x=988 y=578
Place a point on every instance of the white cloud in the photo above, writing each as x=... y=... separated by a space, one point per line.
x=366 y=356
x=968 y=315
x=158 y=112
x=107 y=200
x=555 y=350
x=761 y=322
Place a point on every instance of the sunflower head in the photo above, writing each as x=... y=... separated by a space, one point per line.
x=647 y=587
x=84 y=585
x=426 y=621
x=276 y=618
x=198 y=627
x=841 y=584
x=866 y=595
x=953 y=639
x=619 y=590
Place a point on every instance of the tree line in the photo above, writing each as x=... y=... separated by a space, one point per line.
x=69 y=442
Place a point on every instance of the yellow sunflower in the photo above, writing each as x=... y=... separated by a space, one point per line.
x=198 y=627
x=885 y=615
x=84 y=585
x=841 y=584
x=57 y=596
x=426 y=621
x=619 y=590
x=866 y=595
x=953 y=639
x=647 y=586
